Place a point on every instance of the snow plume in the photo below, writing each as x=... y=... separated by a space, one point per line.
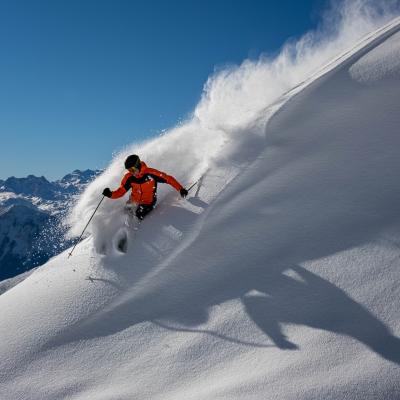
x=235 y=96
x=237 y=102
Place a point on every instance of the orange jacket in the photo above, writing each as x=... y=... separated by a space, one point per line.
x=144 y=184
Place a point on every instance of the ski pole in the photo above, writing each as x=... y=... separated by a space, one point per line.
x=84 y=229
x=192 y=186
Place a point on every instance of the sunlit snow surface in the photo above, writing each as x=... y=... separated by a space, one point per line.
x=276 y=279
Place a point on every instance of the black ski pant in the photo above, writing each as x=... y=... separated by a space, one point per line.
x=143 y=209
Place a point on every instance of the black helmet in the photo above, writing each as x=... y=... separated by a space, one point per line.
x=132 y=161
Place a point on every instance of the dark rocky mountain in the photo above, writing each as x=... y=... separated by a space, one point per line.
x=31 y=186
x=31 y=210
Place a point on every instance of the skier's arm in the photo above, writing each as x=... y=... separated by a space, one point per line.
x=162 y=177
x=124 y=187
x=116 y=194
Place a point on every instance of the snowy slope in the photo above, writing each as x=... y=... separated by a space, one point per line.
x=277 y=279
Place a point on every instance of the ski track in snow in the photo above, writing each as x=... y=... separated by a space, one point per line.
x=276 y=279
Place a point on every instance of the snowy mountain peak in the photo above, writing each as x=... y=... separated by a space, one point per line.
x=77 y=179
x=34 y=186
x=80 y=176
x=31 y=185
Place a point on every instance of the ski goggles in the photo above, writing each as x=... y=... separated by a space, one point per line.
x=133 y=169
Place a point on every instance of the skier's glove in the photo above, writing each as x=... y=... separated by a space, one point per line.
x=183 y=192
x=107 y=192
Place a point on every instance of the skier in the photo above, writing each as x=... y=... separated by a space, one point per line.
x=142 y=181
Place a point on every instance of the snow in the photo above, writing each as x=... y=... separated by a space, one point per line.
x=380 y=63
x=277 y=278
x=7 y=284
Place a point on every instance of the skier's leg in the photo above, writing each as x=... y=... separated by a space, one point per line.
x=143 y=210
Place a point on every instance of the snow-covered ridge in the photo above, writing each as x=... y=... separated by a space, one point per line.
x=276 y=279
x=39 y=188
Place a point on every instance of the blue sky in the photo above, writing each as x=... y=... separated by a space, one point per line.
x=81 y=79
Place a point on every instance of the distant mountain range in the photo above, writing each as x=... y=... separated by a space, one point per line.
x=31 y=210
